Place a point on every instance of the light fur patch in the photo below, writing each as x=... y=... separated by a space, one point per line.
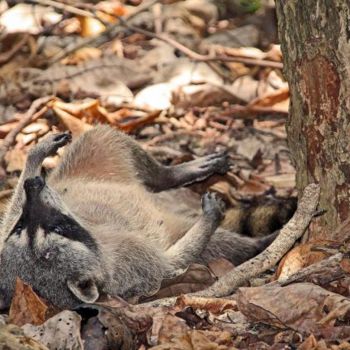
x=40 y=239
x=20 y=240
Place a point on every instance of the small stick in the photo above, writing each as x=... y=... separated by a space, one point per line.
x=6 y=56
x=250 y=112
x=63 y=7
x=27 y=118
x=108 y=34
x=292 y=231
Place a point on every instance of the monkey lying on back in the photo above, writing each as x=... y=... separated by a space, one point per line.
x=98 y=225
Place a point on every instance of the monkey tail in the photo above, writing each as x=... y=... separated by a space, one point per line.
x=265 y=241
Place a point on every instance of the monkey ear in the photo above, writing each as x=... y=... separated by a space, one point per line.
x=85 y=290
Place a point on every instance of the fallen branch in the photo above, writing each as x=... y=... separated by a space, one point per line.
x=292 y=231
x=28 y=117
x=251 y=112
x=199 y=57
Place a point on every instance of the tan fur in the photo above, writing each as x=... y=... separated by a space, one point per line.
x=98 y=224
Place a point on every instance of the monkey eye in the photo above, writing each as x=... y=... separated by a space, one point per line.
x=56 y=229
x=17 y=229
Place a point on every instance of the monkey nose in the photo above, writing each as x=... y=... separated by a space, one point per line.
x=34 y=186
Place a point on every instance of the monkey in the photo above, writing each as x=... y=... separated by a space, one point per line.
x=98 y=224
x=260 y=216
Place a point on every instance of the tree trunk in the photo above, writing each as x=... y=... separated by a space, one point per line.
x=314 y=37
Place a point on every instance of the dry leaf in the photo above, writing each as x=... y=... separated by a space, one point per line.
x=304 y=307
x=195 y=340
x=299 y=257
x=90 y=26
x=59 y=332
x=82 y=55
x=220 y=266
x=129 y=126
x=26 y=306
x=15 y=159
x=271 y=98
x=213 y=305
x=202 y=95
x=13 y=338
x=73 y=124
x=254 y=188
x=120 y=327
x=196 y=277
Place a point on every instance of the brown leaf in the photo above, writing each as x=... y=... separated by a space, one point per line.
x=195 y=278
x=213 y=305
x=131 y=125
x=13 y=338
x=272 y=98
x=89 y=111
x=202 y=95
x=299 y=257
x=82 y=55
x=26 y=306
x=119 y=327
x=195 y=339
x=310 y=343
x=220 y=266
x=303 y=307
x=171 y=327
x=254 y=187
x=345 y=265
x=73 y=124
x=90 y=26
x=15 y=159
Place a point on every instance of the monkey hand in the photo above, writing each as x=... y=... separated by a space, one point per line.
x=213 y=207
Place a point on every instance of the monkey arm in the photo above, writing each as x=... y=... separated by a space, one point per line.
x=188 y=248
x=32 y=168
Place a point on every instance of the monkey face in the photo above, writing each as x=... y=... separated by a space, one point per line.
x=50 y=250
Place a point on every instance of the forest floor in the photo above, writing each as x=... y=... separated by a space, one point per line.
x=185 y=78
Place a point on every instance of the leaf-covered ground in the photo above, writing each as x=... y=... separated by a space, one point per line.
x=185 y=78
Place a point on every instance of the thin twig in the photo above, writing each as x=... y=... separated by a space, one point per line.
x=63 y=7
x=114 y=29
x=6 y=56
x=250 y=112
x=199 y=57
x=27 y=118
x=110 y=32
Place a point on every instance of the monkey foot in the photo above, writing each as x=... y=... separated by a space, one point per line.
x=213 y=206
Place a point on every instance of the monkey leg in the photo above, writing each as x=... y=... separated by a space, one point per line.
x=188 y=248
x=184 y=174
x=36 y=156
x=234 y=247
x=106 y=154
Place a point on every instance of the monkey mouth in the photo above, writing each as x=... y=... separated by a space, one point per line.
x=33 y=186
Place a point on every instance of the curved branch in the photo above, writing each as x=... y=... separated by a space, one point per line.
x=292 y=231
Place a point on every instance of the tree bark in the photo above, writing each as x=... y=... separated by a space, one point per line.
x=314 y=37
